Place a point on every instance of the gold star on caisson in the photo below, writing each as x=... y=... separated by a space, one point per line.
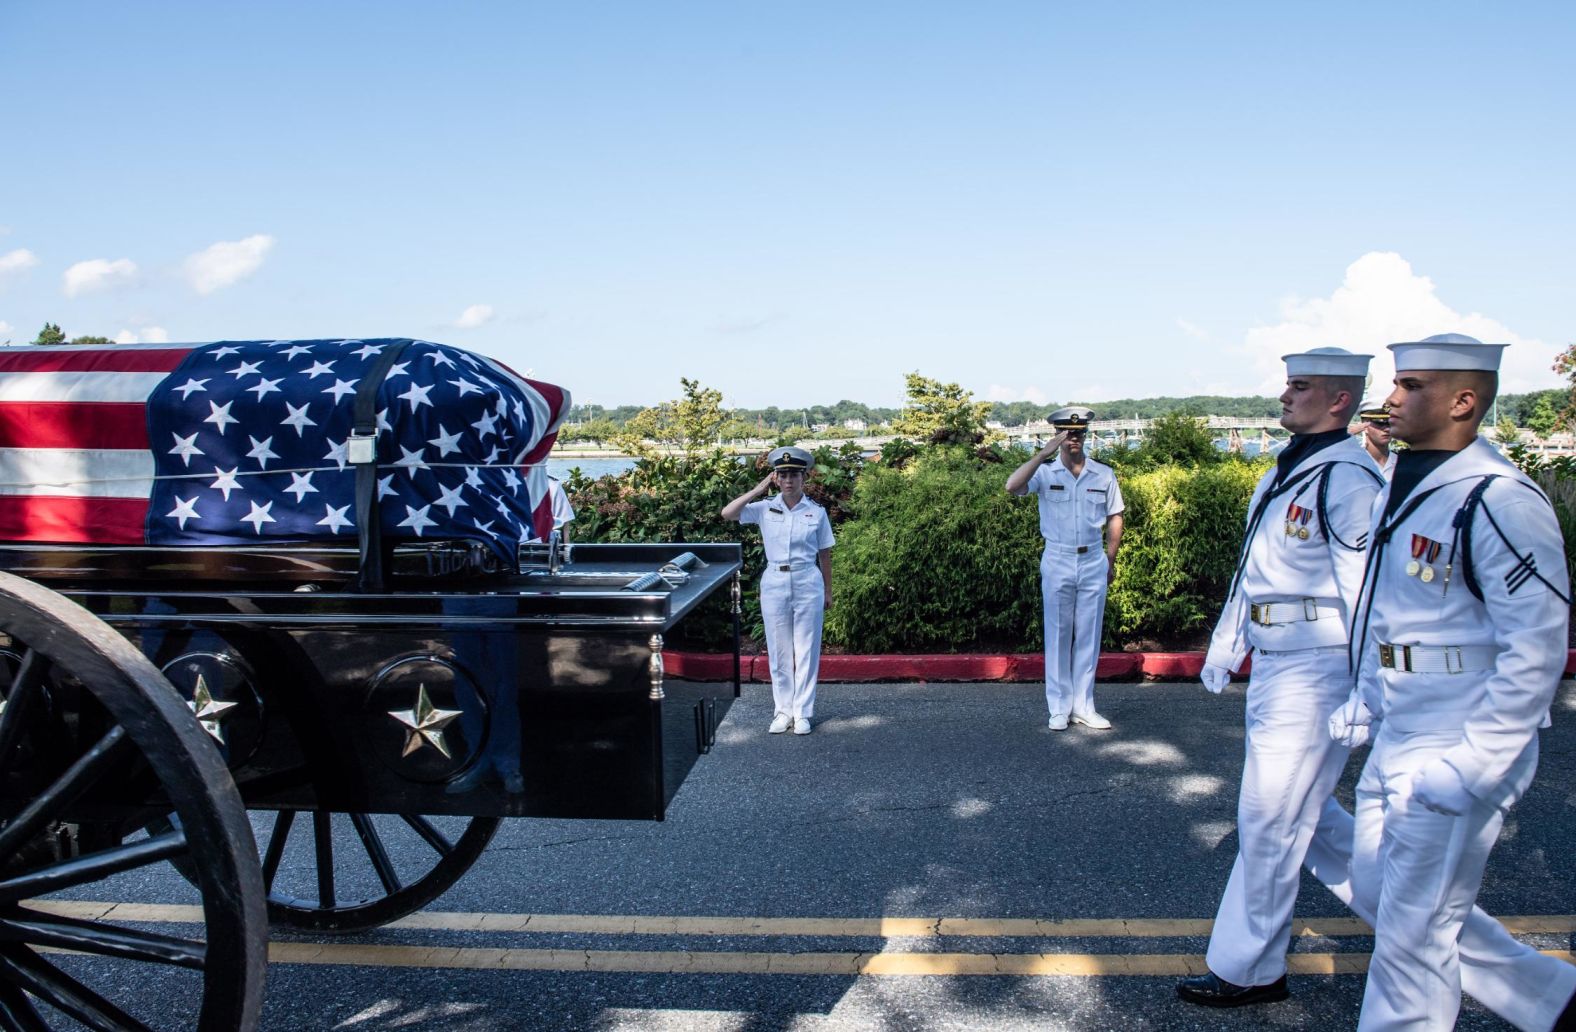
x=424 y=724
x=208 y=710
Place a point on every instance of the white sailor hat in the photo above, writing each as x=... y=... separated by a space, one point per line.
x=1073 y=417
x=1326 y=362
x=1373 y=411
x=1448 y=351
x=789 y=459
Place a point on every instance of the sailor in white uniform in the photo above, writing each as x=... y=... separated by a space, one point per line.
x=1458 y=646
x=1081 y=520
x=1375 y=430
x=796 y=586
x=1296 y=581
x=563 y=512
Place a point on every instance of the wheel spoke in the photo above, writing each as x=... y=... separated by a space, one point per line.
x=17 y=1013
x=23 y=692
x=65 y=993
x=426 y=830
x=323 y=836
x=276 y=846
x=376 y=853
x=78 y=778
x=108 y=940
x=92 y=867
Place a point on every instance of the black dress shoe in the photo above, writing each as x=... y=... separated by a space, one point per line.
x=1213 y=991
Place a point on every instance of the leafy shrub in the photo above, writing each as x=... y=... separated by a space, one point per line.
x=937 y=557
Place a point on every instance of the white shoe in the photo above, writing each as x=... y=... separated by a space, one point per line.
x=1059 y=722
x=1092 y=720
x=780 y=723
x=801 y=725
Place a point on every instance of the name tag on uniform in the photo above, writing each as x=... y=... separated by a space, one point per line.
x=777 y=511
x=1057 y=487
x=1095 y=490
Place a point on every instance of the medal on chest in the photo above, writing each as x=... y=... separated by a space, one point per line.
x=1425 y=552
x=1297 y=518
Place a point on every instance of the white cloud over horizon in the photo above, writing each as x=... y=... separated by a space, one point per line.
x=98 y=274
x=147 y=335
x=1193 y=330
x=1382 y=300
x=474 y=316
x=226 y=263
x=19 y=260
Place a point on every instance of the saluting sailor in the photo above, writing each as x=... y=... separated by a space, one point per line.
x=1458 y=647
x=796 y=586
x=1295 y=586
x=1081 y=519
x=1375 y=430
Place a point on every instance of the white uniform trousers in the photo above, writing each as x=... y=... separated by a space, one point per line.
x=793 y=605
x=1291 y=759
x=1421 y=870
x=1289 y=772
x=1072 y=592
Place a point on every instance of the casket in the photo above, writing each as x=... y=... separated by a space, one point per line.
x=257 y=443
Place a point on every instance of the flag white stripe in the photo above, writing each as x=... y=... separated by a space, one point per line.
x=79 y=387
x=77 y=472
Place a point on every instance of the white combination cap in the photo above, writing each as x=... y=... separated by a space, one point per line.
x=789 y=459
x=1326 y=362
x=1448 y=351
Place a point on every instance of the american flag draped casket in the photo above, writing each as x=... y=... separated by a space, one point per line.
x=243 y=442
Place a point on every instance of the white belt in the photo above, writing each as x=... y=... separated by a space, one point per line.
x=787 y=567
x=1070 y=549
x=1303 y=610
x=1437 y=659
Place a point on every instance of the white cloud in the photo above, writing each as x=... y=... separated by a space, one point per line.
x=5 y=327
x=996 y=392
x=147 y=335
x=98 y=274
x=226 y=263
x=1193 y=330
x=16 y=261
x=474 y=316
x=1381 y=300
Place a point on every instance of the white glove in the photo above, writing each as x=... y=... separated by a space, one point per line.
x=1352 y=724
x=1215 y=678
x=1438 y=786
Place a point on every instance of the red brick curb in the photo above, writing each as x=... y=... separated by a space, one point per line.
x=1018 y=666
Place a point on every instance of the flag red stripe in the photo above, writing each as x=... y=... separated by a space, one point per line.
x=542 y=517
x=53 y=518
x=93 y=360
x=64 y=424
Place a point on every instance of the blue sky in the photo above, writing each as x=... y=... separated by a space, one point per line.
x=798 y=202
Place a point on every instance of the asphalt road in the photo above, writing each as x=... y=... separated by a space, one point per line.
x=917 y=801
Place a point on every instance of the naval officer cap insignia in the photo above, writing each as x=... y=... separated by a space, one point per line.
x=789 y=459
x=1326 y=362
x=1373 y=411
x=1073 y=418
x=1455 y=351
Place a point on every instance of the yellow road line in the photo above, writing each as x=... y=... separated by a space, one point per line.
x=679 y=962
x=863 y=927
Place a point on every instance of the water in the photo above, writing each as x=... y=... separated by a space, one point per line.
x=590 y=467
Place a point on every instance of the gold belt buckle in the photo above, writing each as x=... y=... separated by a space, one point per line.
x=1387 y=656
x=1256 y=613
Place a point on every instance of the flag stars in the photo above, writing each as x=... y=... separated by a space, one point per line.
x=220 y=416
x=473 y=477
x=486 y=427
x=219 y=353
x=318 y=368
x=185 y=509
x=445 y=442
x=185 y=447
x=226 y=482
x=244 y=369
x=300 y=486
x=465 y=386
x=411 y=461
x=417 y=519
x=334 y=518
x=298 y=418
x=339 y=453
x=341 y=388
x=296 y=349
x=512 y=479
x=266 y=387
x=440 y=359
x=398 y=369
x=192 y=386
x=259 y=516
x=366 y=351
x=386 y=487
x=417 y=396
x=261 y=451
x=450 y=498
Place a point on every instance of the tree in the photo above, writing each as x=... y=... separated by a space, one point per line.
x=95 y=341
x=1544 y=419
x=1180 y=438
x=1505 y=431
x=50 y=334
x=691 y=424
x=941 y=413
